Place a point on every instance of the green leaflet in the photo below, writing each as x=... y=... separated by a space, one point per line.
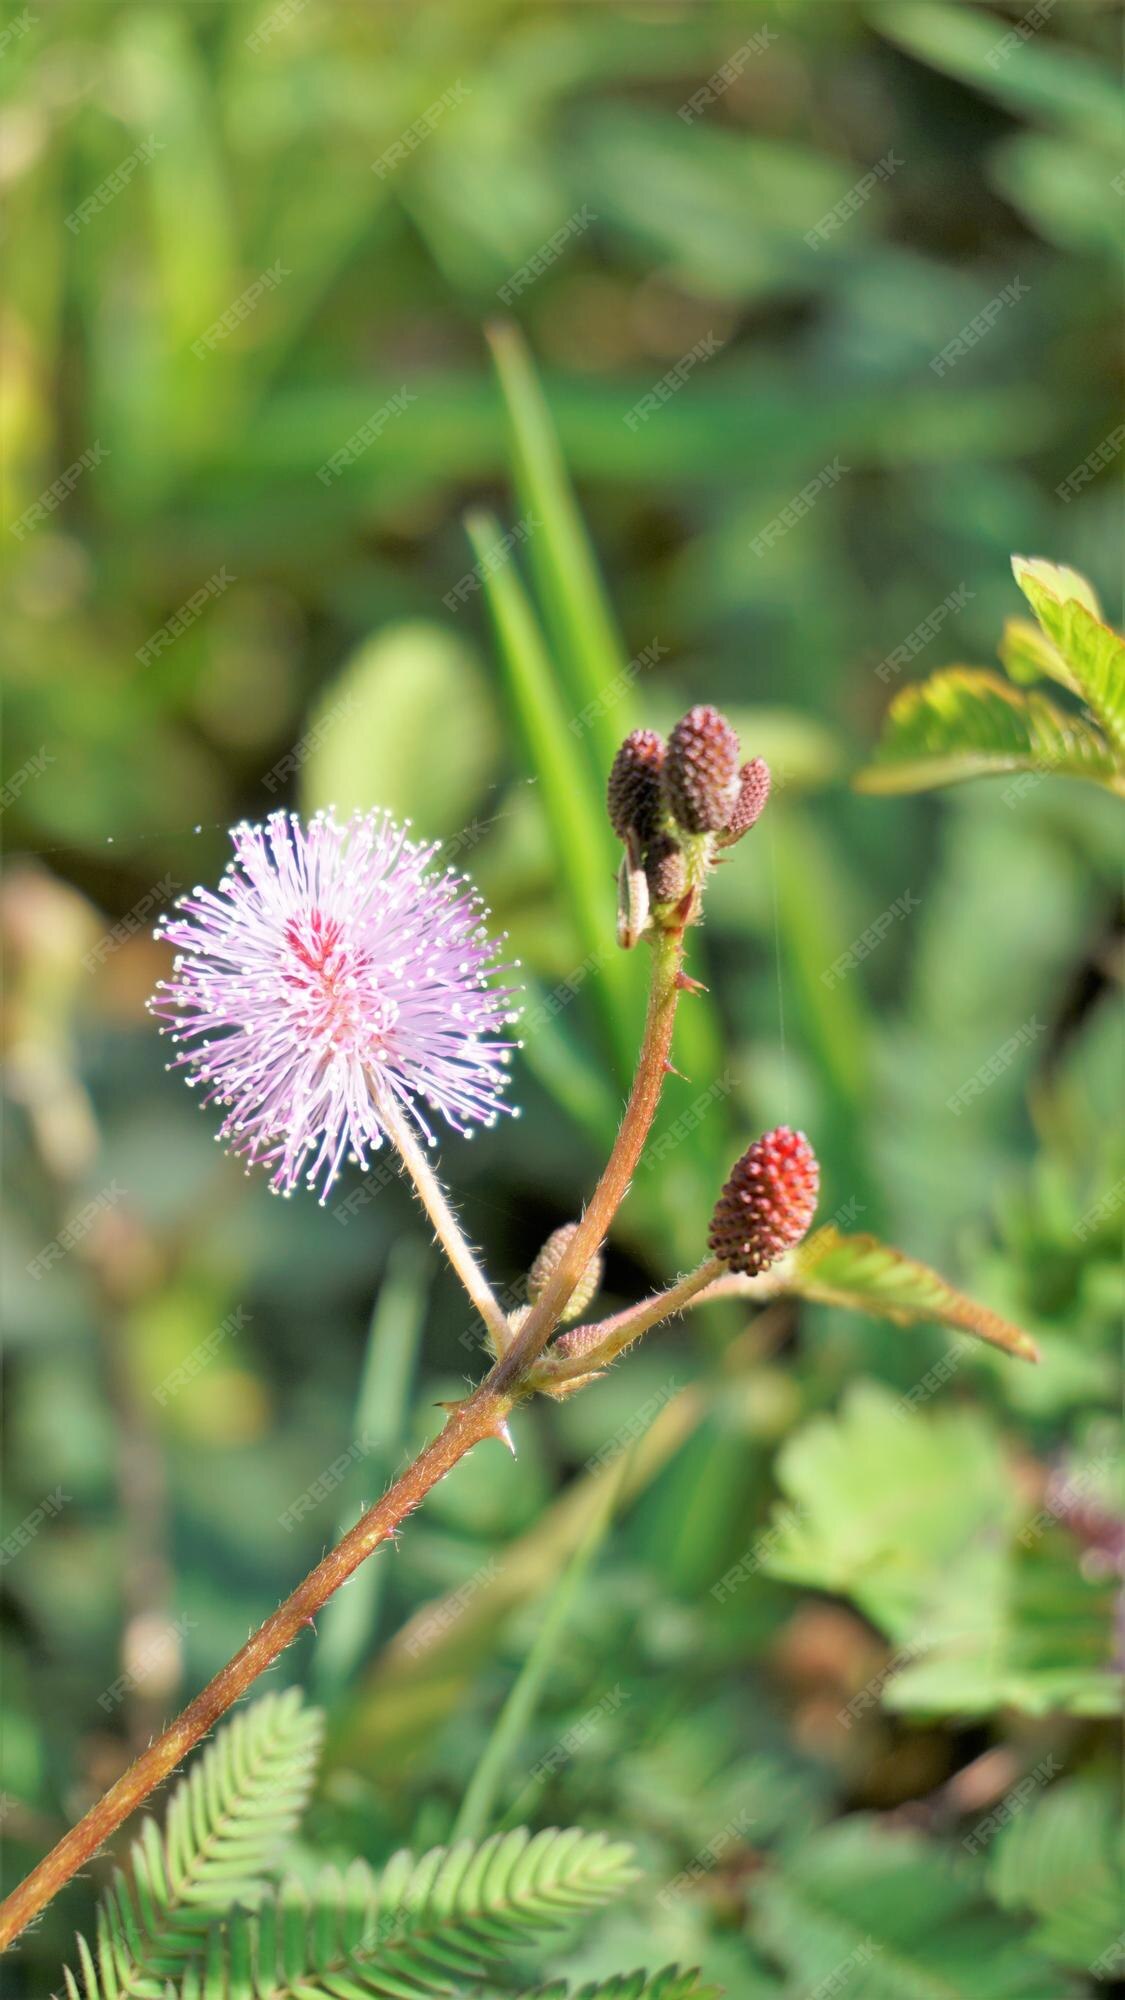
x=199 y=1921
x=420 y=1930
x=1058 y=1858
x=861 y=1272
x=888 y=1916
x=1092 y=655
x=966 y=722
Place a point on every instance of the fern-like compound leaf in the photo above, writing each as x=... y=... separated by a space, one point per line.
x=965 y=722
x=424 y=1928
x=223 y=1842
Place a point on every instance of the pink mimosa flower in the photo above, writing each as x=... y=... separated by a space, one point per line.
x=334 y=970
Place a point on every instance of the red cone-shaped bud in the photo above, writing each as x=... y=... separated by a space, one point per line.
x=633 y=792
x=768 y=1203
x=701 y=771
x=753 y=791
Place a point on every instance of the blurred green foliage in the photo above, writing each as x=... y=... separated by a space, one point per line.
x=347 y=657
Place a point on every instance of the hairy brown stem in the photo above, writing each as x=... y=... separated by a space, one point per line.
x=586 y=1348
x=636 y=1124
x=482 y=1415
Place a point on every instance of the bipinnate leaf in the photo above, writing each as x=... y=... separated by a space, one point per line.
x=223 y=1841
x=425 y=1928
x=862 y=1272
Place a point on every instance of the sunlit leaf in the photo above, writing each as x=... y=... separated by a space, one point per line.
x=1094 y=655
x=860 y=1271
x=965 y=722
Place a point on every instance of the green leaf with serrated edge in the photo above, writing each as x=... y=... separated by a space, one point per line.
x=223 y=1840
x=1013 y=1627
x=880 y=1502
x=965 y=722
x=1027 y=655
x=1058 y=1860
x=669 y=1984
x=1094 y=655
x=889 y=1916
x=862 y=1272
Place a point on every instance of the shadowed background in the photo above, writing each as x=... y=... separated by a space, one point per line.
x=247 y=392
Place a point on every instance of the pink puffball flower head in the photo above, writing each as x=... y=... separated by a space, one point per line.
x=334 y=970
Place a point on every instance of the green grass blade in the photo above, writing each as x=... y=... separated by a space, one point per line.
x=576 y=610
x=584 y=846
x=349 y=1619
x=500 y=1751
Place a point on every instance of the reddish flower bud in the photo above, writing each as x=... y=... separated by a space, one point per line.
x=768 y=1203
x=753 y=791
x=701 y=771
x=633 y=792
x=666 y=869
x=547 y=1263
